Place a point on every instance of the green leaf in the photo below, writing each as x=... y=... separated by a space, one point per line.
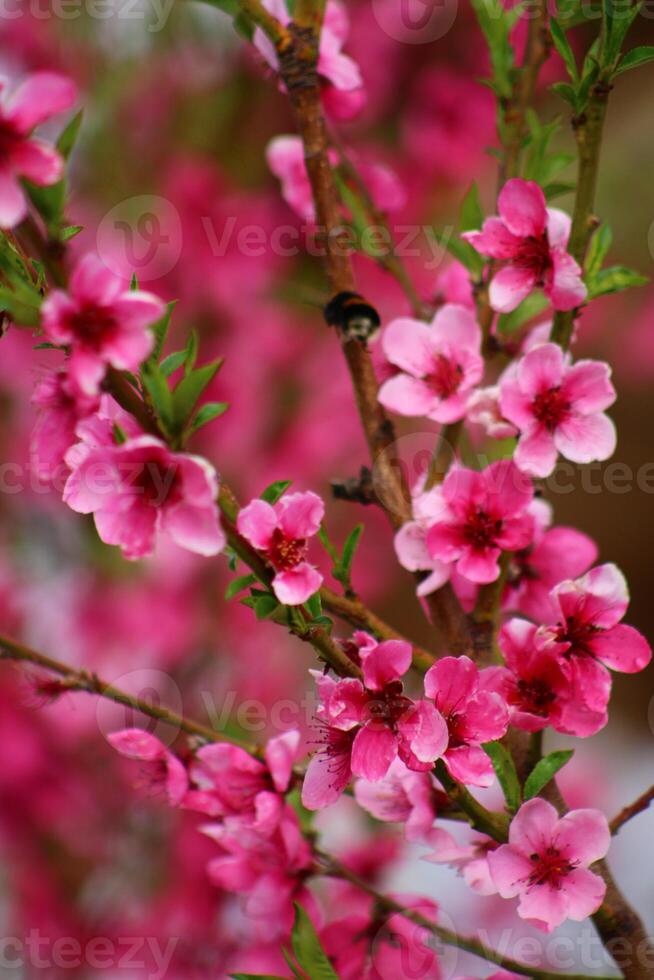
x=308 y=951
x=159 y=392
x=189 y=390
x=70 y=232
x=160 y=330
x=530 y=307
x=191 y=352
x=496 y=24
x=170 y=364
x=624 y=14
x=600 y=243
x=472 y=215
x=562 y=45
x=544 y=770
x=69 y=134
x=206 y=414
x=614 y=280
x=256 y=976
x=566 y=92
x=342 y=571
x=505 y=771
x=635 y=58
x=313 y=605
x=461 y=250
x=557 y=189
x=238 y=584
x=265 y=606
x=273 y=491
x=49 y=201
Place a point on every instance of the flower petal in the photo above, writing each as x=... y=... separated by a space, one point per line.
x=522 y=208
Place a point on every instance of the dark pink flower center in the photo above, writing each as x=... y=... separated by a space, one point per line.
x=285 y=553
x=551 y=407
x=387 y=706
x=578 y=634
x=481 y=529
x=550 y=868
x=445 y=376
x=10 y=139
x=456 y=730
x=534 y=256
x=157 y=483
x=535 y=695
x=93 y=325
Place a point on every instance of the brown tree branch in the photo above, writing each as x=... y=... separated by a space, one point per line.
x=632 y=810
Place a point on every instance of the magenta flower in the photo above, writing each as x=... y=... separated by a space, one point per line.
x=102 y=321
x=61 y=406
x=532 y=238
x=164 y=769
x=473 y=715
x=558 y=407
x=546 y=863
x=481 y=515
x=280 y=532
x=367 y=725
x=230 y=783
x=439 y=364
x=557 y=553
x=591 y=636
x=140 y=489
x=536 y=686
x=40 y=96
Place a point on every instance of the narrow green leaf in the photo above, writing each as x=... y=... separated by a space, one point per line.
x=160 y=330
x=566 y=92
x=159 y=392
x=69 y=134
x=191 y=352
x=544 y=770
x=461 y=251
x=343 y=571
x=273 y=491
x=614 y=280
x=557 y=189
x=313 y=605
x=238 y=584
x=208 y=412
x=505 y=771
x=635 y=58
x=70 y=232
x=530 y=307
x=255 y=976
x=562 y=45
x=599 y=246
x=170 y=364
x=189 y=390
x=308 y=951
x=265 y=606
x=472 y=215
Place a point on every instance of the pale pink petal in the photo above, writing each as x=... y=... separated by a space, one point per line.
x=509 y=287
x=92 y=282
x=194 y=528
x=536 y=452
x=451 y=682
x=127 y=349
x=87 y=369
x=583 y=836
x=585 y=438
x=326 y=778
x=509 y=870
x=533 y=827
x=38 y=162
x=385 y=662
x=338 y=68
x=407 y=395
x=456 y=325
x=621 y=648
x=13 y=206
x=280 y=754
x=134 y=743
x=515 y=404
x=41 y=95
x=584 y=892
x=479 y=566
x=133 y=530
x=588 y=386
x=541 y=369
x=425 y=731
x=494 y=240
x=138 y=309
x=486 y=717
x=509 y=489
x=545 y=905
x=256 y=523
x=445 y=542
x=558 y=228
x=522 y=208
x=296 y=585
x=470 y=765
x=300 y=514
x=409 y=344
x=411 y=548
x=373 y=750
x=567 y=290
x=440 y=574
x=563 y=553
x=449 y=409
x=607 y=587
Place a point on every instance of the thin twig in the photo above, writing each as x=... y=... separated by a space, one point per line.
x=627 y=812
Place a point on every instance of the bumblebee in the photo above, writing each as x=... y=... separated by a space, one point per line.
x=356 y=319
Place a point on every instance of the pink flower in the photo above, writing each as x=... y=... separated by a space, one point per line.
x=558 y=408
x=139 y=489
x=589 y=633
x=285 y=157
x=481 y=515
x=453 y=286
x=334 y=67
x=533 y=239
x=61 y=406
x=471 y=860
x=439 y=363
x=546 y=863
x=483 y=409
x=402 y=796
x=165 y=769
x=280 y=532
x=367 y=725
x=411 y=543
x=40 y=96
x=536 y=685
x=268 y=869
x=230 y=783
x=103 y=322
x=473 y=716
